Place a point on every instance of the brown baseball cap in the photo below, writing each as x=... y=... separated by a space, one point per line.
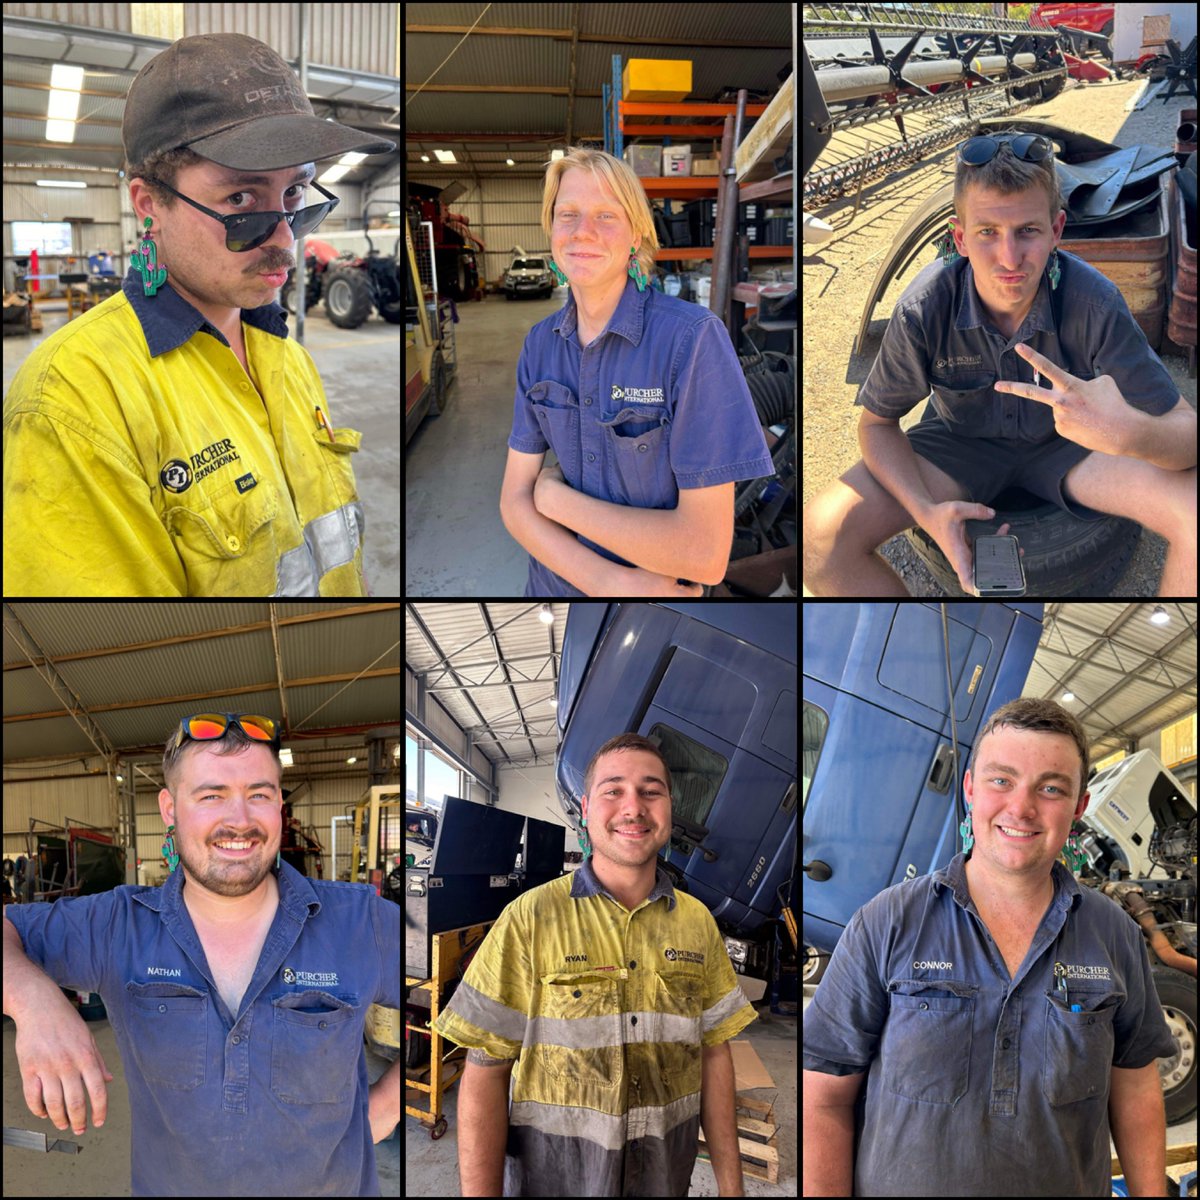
x=233 y=100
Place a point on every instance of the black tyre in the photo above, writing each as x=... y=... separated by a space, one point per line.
x=1177 y=995
x=347 y=294
x=1063 y=556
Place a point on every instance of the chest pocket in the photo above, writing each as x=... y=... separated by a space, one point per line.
x=556 y=409
x=926 y=1044
x=579 y=1027
x=1079 y=1047
x=167 y=1032
x=972 y=411
x=335 y=460
x=316 y=1042
x=677 y=1007
x=637 y=468
x=215 y=529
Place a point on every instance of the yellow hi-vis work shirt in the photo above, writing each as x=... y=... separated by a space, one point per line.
x=140 y=460
x=606 y=1011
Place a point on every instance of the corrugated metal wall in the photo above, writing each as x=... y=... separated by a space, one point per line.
x=86 y=800
x=357 y=37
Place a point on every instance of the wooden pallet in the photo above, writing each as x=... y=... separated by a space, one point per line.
x=757 y=1139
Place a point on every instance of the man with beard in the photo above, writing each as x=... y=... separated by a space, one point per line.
x=237 y=992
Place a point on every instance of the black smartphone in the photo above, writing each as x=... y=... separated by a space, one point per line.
x=997 y=566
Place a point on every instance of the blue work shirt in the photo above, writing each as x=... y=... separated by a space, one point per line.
x=657 y=402
x=940 y=337
x=980 y=1084
x=271 y=1101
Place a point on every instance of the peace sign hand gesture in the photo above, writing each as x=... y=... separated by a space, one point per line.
x=1091 y=413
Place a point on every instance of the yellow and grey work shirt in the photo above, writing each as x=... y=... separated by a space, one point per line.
x=140 y=459
x=606 y=1011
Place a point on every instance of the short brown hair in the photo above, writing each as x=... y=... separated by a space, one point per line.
x=234 y=742
x=1040 y=716
x=626 y=741
x=165 y=167
x=1008 y=174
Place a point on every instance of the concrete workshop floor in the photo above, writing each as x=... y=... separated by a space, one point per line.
x=455 y=542
x=359 y=370
x=102 y=1167
x=431 y=1168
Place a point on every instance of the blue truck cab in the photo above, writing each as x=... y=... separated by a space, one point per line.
x=714 y=686
x=879 y=801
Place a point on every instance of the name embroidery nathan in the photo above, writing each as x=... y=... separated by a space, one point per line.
x=633 y=395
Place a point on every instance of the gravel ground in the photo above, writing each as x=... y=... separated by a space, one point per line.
x=838 y=275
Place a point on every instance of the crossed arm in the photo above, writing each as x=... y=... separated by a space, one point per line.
x=691 y=541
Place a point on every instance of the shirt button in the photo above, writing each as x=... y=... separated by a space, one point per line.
x=591 y=458
x=576 y=994
x=587 y=399
x=233 y=543
x=633 y=965
x=642 y=448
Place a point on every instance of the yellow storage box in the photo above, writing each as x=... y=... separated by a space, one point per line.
x=656 y=79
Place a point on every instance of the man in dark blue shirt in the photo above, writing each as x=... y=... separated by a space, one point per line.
x=1000 y=1014
x=237 y=992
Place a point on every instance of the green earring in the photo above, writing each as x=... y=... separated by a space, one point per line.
x=556 y=272
x=967 y=831
x=1055 y=271
x=635 y=270
x=1074 y=852
x=946 y=249
x=145 y=263
x=168 y=849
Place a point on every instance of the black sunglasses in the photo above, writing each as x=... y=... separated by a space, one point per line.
x=245 y=231
x=1029 y=147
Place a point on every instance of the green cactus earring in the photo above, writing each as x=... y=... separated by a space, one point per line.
x=145 y=263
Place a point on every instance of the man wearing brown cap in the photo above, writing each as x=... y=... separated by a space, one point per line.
x=173 y=441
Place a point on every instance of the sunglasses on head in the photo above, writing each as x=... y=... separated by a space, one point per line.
x=246 y=231
x=1029 y=147
x=207 y=727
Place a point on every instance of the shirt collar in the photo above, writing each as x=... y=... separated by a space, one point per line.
x=584 y=884
x=628 y=320
x=296 y=894
x=971 y=314
x=168 y=320
x=954 y=876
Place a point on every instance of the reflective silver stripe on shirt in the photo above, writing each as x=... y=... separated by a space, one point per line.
x=330 y=540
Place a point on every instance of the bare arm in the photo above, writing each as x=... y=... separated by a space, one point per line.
x=556 y=548
x=60 y=1063
x=1168 y=441
x=1139 y=1127
x=691 y=541
x=483 y=1123
x=718 y=1118
x=829 y=1133
x=892 y=460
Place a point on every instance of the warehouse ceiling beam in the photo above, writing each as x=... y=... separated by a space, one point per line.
x=444 y=658
x=573 y=34
x=501 y=665
x=47 y=671
x=209 y=634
